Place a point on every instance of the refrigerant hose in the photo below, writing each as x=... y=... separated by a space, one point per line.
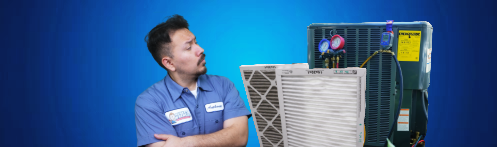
x=423 y=95
x=400 y=100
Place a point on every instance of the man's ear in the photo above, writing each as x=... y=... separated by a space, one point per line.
x=167 y=62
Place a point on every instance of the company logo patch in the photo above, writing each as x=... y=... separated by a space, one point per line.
x=179 y=116
x=217 y=106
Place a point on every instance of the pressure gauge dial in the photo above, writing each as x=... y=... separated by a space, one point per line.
x=324 y=45
x=337 y=42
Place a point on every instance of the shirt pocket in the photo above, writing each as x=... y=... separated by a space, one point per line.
x=214 y=121
x=186 y=129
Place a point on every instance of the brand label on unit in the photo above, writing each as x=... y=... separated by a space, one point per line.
x=345 y=72
x=179 y=116
x=409 y=45
x=269 y=67
x=313 y=72
x=403 y=121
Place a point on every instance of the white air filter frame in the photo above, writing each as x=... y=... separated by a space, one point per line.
x=322 y=107
x=260 y=87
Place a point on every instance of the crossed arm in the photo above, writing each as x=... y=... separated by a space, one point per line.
x=234 y=133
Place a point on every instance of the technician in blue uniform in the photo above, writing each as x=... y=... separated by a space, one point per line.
x=187 y=107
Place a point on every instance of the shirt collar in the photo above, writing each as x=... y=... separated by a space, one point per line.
x=203 y=83
x=175 y=89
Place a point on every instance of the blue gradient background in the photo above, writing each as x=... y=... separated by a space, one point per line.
x=71 y=70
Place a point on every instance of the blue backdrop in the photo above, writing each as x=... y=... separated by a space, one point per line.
x=71 y=70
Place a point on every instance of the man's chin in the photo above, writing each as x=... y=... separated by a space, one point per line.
x=203 y=71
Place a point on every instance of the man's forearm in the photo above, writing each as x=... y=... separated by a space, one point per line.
x=235 y=135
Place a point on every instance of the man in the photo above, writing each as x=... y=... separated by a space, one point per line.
x=187 y=107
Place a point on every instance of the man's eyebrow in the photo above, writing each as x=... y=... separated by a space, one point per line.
x=189 y=41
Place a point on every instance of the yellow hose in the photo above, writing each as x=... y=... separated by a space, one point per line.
x=364 y=136
x=333 y=59
x=376 y=52
x=368 y=59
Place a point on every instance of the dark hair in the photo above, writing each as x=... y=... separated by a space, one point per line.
x=158 y=38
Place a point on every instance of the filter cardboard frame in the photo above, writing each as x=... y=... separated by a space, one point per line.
x=261 y=69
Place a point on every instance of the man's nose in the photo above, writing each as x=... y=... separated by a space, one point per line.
x=200 y=51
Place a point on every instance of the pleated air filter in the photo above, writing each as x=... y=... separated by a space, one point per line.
x=322 y=107
x=262 y=93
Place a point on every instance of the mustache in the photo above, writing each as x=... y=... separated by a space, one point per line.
x=201 y=59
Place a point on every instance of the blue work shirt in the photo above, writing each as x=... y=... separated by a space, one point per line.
x=217 y=100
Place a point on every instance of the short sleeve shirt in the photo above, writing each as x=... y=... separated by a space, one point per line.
x=168 y=108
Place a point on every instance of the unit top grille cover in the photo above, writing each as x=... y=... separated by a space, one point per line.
x=322 y=107
x=260 y=87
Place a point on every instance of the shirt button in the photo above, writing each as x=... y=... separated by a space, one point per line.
x=186 y=90
x=217 y=121
x=197 y=106
x=183 y=133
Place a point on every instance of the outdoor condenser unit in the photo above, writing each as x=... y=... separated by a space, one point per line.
x=322 y=107
x=260 y=87
x=413 y=46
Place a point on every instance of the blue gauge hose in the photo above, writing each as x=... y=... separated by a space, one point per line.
x=400 y=100
x=423 y=95
x=417 y=141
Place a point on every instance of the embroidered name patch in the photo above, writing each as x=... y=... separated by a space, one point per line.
x=179 y=116
x=217 y=106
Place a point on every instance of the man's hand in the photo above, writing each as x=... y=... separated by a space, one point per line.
x=171 y=140
x=234 y=133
